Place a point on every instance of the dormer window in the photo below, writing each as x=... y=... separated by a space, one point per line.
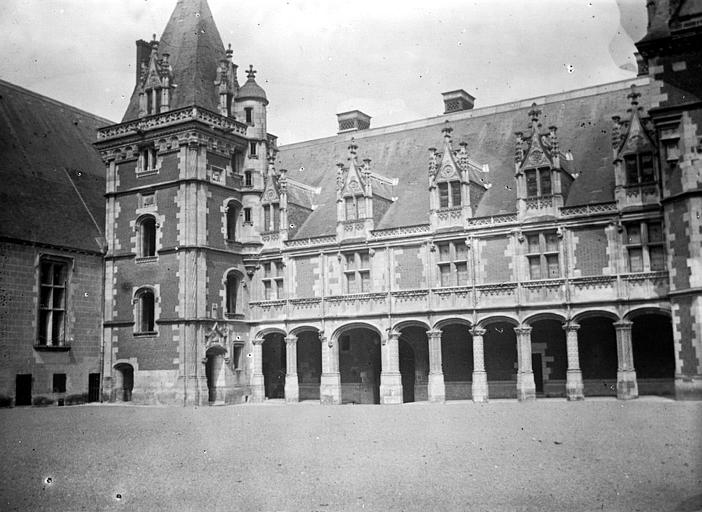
x=271 y=217
x=153 y=101
x=639 y=168
x=449 y=194
x=538 y=182
x=355 y=207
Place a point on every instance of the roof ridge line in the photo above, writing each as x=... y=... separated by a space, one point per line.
x=70 y=179
x=54 y=101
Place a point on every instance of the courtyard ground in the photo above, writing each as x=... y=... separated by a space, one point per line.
x=549 y=455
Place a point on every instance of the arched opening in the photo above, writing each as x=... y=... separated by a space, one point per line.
x=654 y=354
x=597 y=351
x=414 y=362
x=232 y=292
x=549 y=361
x=232 y=211
x=124 y=382
x=147 y=237
x=274 y=365
x=145 y=311
x=309 y=364
x=457 y=361
x=500 y=353
x=214 y=370
x=359 y=365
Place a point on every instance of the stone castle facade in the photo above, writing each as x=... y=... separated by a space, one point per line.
x=549 y=247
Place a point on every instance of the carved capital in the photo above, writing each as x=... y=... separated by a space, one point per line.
x=434 y=333
x=290 y=340
x=258 y=341
x=571 y=326
x=478 y=331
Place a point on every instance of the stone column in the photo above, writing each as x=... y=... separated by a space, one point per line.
x=390 y=377
x=526 y=389
x=626 y=375
x=436 y=388
x=574 y=377
x=257 y=383
x=330 y=384
x=480 y=385
x=292 y=388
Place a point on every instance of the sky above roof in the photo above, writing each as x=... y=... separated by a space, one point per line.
x=316 y=58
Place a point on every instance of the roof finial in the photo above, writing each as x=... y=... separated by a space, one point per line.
x=534 y=113
x=230 y=52
x=634 y=97
x=352 y=149
x=251 y=73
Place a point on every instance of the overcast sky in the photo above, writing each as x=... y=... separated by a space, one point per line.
x=391 y=59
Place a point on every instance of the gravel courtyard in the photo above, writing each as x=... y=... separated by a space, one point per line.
x=602 y=454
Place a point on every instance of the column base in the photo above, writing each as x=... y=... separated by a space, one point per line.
x=688 y=387
x=258 y=389
x=574 y=385
x=526 y=389
x=292 y=389
x=391 y=388
x=479 y=387
x=436 y=388
x=330 y=389
x=627 y=388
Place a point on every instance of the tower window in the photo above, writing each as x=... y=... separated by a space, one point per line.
x=252 y=148
x=53 y=285
x=231 y=219
x=147 y=237
x=147 y=159
x=247 y=215
x=232 y=289
x=145 y=311
x=248 y=178
x=248 y=112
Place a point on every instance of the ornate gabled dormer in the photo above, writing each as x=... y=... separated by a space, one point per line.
x=274 y=222
x=635 y=156
x=543 y=173
x=226 y=84
x=155 y=83
x=354 y=197
x=456 y=185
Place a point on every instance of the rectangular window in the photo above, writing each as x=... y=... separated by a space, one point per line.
x=456 y=193
x=639 y=168
x=361 y=207
x=53 y=277
x=632 y=171
x=266 y=217
x=645 y=246
x=59 y=383
x=443 y=195
x=248 y=112
x=543 y=255
x=646 y=165
x=357 y=272
x=350 y=208
x=252 y=148
x=247 y=215
x=531 y=183
x=453 y=263
x=545 y=181
x=273 y=282
x=248 y=178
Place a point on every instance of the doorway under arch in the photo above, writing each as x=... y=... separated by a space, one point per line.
x=414 y=362
x=309 y=364
x=500 y=349
x=549 y=361
x=214 y=371
x=597 y=351
x=457 y=361
x=407 y=370
x=274 y=365
x=654 y=354
x=124 y=382
x=359 y=366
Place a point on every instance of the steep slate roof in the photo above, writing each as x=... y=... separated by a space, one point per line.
x=195 y=47
x=583 y=118
x=52 y=176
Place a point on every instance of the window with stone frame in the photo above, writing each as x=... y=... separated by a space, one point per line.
x=53 y=291
x=355 y=207
x=538 y=182
x=247 y=216
x=232 y=293
x=146 y=241
x=232 y=217
x=639 y=168
x=449 y=194
x=248 y=178
x=453 y=263
x=145 y=320
x=252 y=149
x=273 y=280
x=357 y=275
x=147 y=159
x=542 y=255
x=271 y=217
x=645 y=246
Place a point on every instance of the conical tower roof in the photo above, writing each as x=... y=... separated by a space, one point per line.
x=195 y=49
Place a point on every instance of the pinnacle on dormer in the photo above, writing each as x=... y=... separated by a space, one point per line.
x=352 y=151
x=339 y=177
x=616 y=132
x=633 y=97
x=433 y=162
x=553 y=139
x=519 y=147
x=229 y=52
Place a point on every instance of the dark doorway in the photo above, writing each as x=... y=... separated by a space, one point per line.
x=23 y=391
x=407 y=369
x=654 y=354
x=359 y=365
x=538 y=372
x=93 y=387
x=274 y=365
x=309 y=365
x=124 y=382
x=213 y=371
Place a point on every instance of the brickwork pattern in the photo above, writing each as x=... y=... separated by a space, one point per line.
x=590 y=250
x=409 y=268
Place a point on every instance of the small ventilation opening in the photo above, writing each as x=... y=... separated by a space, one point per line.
x=352 y=121
x=457 y=101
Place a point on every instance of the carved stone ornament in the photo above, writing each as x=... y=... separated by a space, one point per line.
x=536 y=156
x=354 y=186
x=216 y=336
x=270 y=195
x=446 y=171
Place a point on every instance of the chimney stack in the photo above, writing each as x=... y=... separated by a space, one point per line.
x=457 y=101
x=143 y=52
x=353 y=121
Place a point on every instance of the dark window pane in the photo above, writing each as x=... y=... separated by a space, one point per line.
x=532 y=186
x=232 y=288
x=633 y=232
x=632 y=173
x=443 y=195
x=365 y=281
x=655 y=232
x=365 y=260
x=232 y=217
x=147 y=311
x=267 y=290
x=148 y=237
x=647 y=174
x=545 y=176
x=350 y=282
x=280 y=291
x=461 y=251
x=456 y=193
x=59 y=383
x=248 y=178
x=266 y=217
